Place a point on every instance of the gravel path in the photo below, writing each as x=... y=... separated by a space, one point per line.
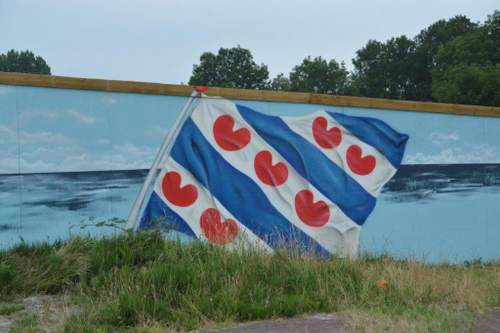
x=320 y=323
x=489 y=323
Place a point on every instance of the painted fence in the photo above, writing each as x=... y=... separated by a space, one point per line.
x=74 y=152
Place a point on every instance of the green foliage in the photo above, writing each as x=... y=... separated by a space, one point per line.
x=468 y=84
x=428 y=42
x=280 y=82
x=467 y=68
x=401 y=68
x=232 y=68
x=320 y=76
x=43 y=268
x=23 y=62
x=385 y=69
x=27 y=324
x=7 y=309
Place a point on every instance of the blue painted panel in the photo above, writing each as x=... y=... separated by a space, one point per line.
x=68 y=156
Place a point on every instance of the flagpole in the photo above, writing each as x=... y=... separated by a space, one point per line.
x=166 y=146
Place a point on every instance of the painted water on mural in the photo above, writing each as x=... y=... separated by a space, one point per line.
x=57 y=205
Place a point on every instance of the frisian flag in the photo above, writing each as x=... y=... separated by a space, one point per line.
x=235 y=176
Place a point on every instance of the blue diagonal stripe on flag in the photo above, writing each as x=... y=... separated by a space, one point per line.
x=235 y=175
x=312 y=165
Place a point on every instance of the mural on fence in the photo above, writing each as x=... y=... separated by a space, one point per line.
x=69 y=158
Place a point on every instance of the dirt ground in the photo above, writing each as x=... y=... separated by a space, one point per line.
x=47 y=312
x=489 y=323
x=321 y=323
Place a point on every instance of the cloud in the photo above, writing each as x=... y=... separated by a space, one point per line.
x=156 y=132
x=109 y=100
x=8 y=163
x=483 y=153
x=75 y=158
x=7 y=134
x=133 y=151
x=60 y=153
x=121 y=157
x=103 y=141
x=10 y=136
x=6 y=90
x=33 y=138
x=454 y=151
x=442 y=138
x=79 y=117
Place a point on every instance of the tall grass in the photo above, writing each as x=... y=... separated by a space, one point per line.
x=141 y=279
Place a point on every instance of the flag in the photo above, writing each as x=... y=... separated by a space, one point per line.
x=235 y=176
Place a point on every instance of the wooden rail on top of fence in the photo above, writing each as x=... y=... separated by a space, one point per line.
x=64 y=82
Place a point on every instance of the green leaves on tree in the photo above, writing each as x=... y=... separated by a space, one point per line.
x=231 y=68
x=23 y=62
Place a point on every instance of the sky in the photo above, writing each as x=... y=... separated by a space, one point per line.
x=160 y=40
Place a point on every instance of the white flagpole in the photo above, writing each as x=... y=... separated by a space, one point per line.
x=166 y=146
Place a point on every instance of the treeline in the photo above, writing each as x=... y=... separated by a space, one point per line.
x=455 y=61
x=23 y=62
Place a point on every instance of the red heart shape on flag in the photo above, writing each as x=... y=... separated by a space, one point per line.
x=180 y=196
x=215 y=230
x=326 y=138
x=268 y=173
x=314 y=214
x=228 y=139
x=360 y=165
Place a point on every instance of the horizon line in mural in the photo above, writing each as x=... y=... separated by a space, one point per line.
x=412 y=181
x=145 y=169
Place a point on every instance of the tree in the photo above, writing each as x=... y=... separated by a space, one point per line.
x=232 y=68
x=23 y=62
x=468 y=84
x=428 y=42
x=319 y=76
x=385 y=70
x=467 y=69
x=401 y=68
x=280 y=82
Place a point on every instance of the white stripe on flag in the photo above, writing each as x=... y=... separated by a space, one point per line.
x=372 y=182
x=192 y=213
x=283 y=196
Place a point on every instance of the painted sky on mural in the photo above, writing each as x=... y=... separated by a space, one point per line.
x=71 y=130
x=159 y=41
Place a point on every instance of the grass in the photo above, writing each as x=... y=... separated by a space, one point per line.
x=26 y=324
x=143 y=283
x=7 y=309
